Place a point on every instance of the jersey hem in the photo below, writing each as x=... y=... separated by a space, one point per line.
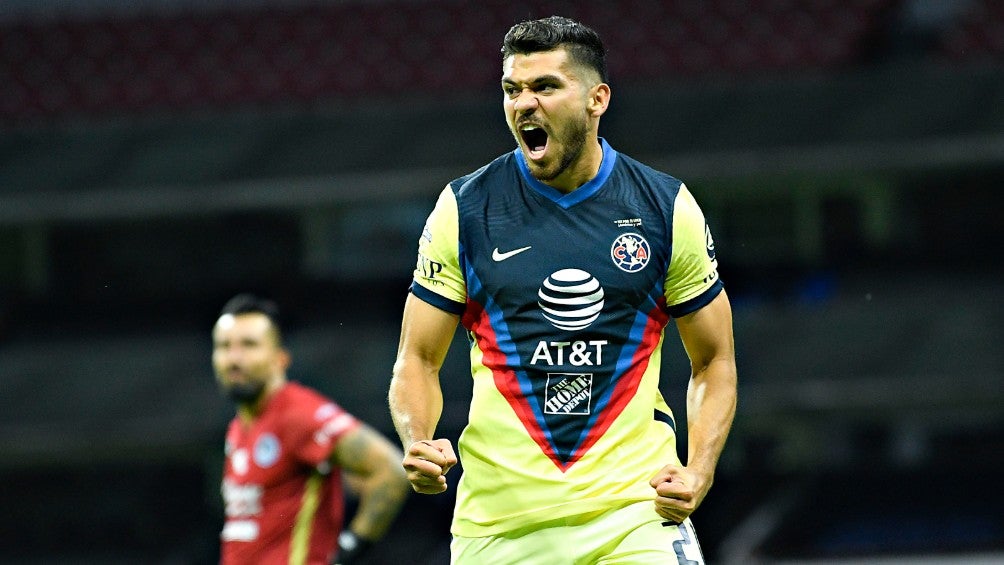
x=470 y=529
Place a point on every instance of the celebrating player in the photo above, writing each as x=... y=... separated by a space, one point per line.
x=565 y=260
x=285 y=450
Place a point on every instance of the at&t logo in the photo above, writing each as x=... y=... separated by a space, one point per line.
x=571 y=299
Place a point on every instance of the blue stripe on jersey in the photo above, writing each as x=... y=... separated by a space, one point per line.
x=633 y=342
x=505 y=343
x=635 y=338
x=579 y=194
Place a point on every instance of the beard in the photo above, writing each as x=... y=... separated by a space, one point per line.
x=573 y=142
x=244 y=393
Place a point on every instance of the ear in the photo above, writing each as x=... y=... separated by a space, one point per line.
x=599 y=99
x=284 y=359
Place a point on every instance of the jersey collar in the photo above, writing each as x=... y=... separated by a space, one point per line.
x=579 y=194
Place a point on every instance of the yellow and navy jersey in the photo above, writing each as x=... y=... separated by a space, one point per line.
x=565 y=298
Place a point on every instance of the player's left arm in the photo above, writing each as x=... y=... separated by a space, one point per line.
x=711 y=405
x=373 y=470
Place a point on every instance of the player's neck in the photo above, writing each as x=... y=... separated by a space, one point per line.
x=249 y=412
x=583 y=170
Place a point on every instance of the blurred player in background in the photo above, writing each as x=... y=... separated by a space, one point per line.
x=286 y=450
x=565 y=260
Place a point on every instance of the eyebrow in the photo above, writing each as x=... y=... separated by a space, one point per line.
x=536 y=80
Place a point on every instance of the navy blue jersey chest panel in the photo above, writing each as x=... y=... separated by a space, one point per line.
x=498 y=211
x=522 y=251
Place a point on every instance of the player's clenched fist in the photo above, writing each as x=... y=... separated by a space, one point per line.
x=427 y=463
x=678 y=492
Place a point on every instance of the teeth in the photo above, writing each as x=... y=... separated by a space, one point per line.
x=528 y=127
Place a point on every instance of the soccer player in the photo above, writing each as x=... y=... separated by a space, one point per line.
x=285 y=450
x=565 y=260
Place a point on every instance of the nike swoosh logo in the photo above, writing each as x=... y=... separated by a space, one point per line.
x=496 y=255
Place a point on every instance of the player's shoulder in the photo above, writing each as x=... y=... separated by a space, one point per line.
x=648 y=172
x=644 y=185
x=500 y=169
x=297 y=398
x=303 y=407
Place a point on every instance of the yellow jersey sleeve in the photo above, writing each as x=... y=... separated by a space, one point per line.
x=438 y=277
x=692 y=280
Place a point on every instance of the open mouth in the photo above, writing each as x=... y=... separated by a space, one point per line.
x=535 y=139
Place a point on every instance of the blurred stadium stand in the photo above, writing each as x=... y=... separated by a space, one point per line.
x=157 y=157
x=222 y=57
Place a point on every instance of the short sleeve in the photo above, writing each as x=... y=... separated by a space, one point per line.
x=318 y=431
x=692 y=280
x=438 y=278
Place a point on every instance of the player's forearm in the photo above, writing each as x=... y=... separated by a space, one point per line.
x=711 y=407
x=380 y=499
x=416 y=402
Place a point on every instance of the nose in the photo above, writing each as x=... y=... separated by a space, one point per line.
x=227 y=356
x=526 y=102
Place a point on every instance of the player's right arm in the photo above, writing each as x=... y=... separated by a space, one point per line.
x=416 y=398
x=431 y=314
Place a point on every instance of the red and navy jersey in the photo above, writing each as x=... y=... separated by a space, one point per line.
x=283 y=500
x=565 y=298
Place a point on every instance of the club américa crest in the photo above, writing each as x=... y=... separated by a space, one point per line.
x=630 y=252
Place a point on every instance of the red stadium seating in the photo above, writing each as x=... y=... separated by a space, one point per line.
x=213 y=59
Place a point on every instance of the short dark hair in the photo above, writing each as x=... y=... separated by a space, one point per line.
x=583 y=44
x=248 y=303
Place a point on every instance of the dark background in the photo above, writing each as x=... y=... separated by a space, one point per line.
x=158 y=157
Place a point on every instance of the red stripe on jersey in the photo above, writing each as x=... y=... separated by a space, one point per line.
x=478 y=321
x=627 y=384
